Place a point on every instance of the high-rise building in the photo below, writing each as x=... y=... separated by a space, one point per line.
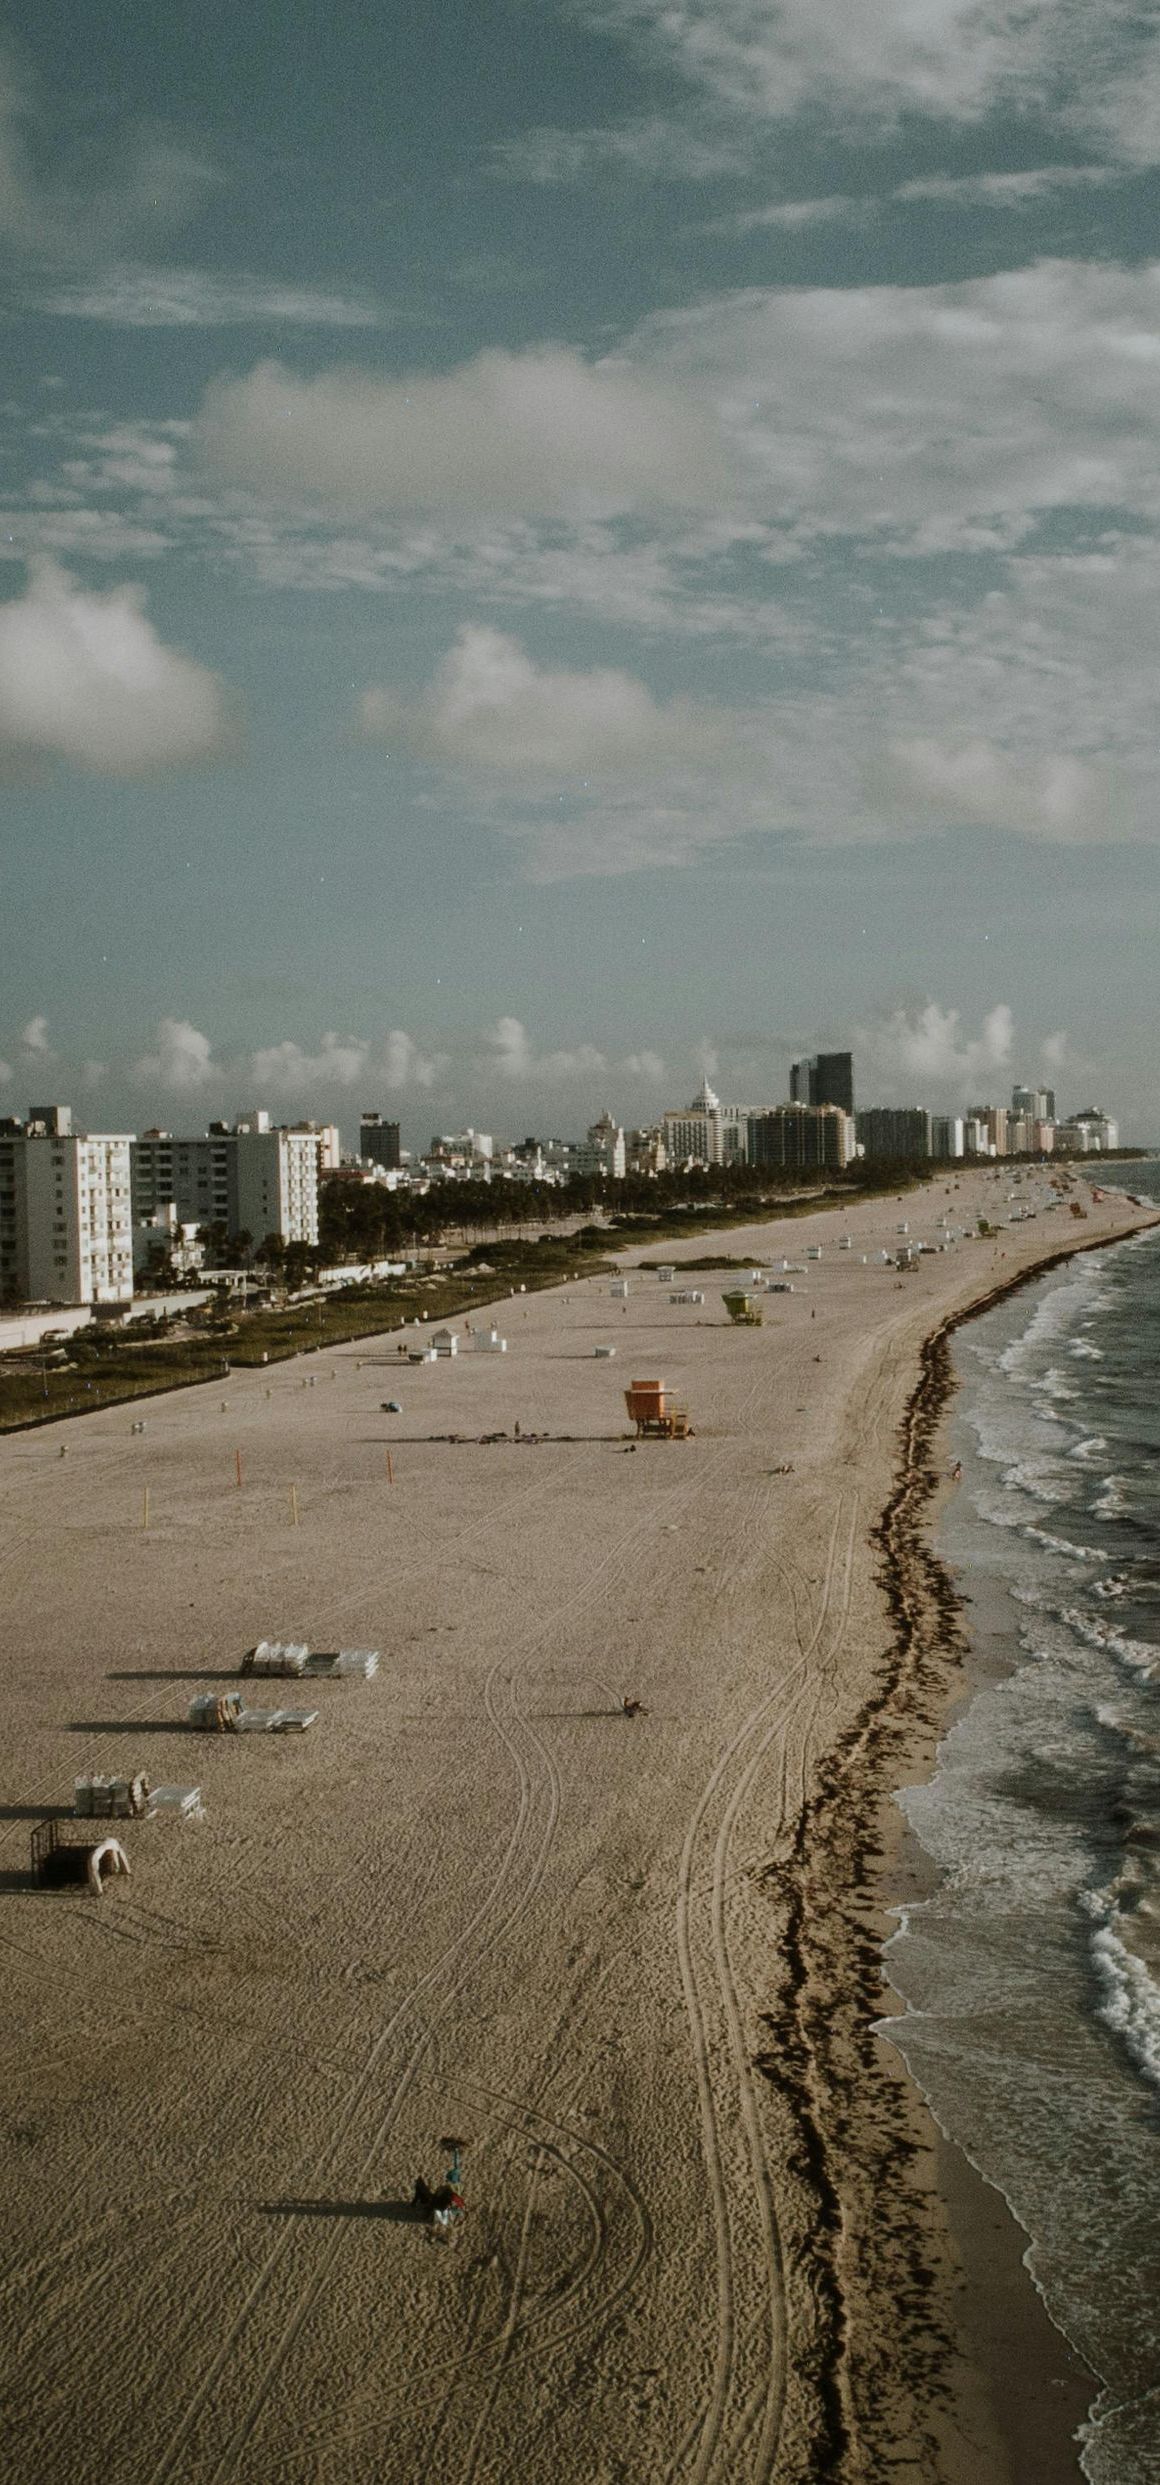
x=1033 y=1104
x=946 y=1137
x=706 y=1132
x=902 y=1131
x=603 y=1151
x=826 y=1079
x=800 y=1138
x=66 y=1229
x=252 y=1180
x=1089 y=1132
x=378 y=1142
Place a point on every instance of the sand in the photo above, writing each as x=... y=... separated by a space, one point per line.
x=632 y=1961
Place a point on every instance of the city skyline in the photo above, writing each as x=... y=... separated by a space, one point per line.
x=549 y=550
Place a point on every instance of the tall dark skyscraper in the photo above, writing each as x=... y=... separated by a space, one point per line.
x=834 y=1080
x=828 y=1079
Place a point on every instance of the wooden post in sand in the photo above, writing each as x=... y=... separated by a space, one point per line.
x=294 y=1505
x=145 y=1507
x=237 y=1467
x=390 y=1469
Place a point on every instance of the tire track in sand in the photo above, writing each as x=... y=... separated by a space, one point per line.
x=703 y=2442
x=493 y=1916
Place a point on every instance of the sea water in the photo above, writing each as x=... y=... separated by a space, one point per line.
x=1031 y=1976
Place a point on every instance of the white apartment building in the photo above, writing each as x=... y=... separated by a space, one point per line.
x=603 y=1151
x=707 y=1132
x=253 y=1180
x=327 y=1138
x=66 y=1223
x=1090 y=1133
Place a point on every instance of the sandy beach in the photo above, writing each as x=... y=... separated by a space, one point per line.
x=633 y=1962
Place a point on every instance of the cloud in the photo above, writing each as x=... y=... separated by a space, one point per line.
x=1095 y=64
x=146 y=297
x=401 y=1064
x=150 y=180
x=535 y=430
x=794 y=215
x=1056 y=796
x=288 y=1070
x=511 y=1053
x=655 y=149
x=1005 y=189
x=183 y=1062
x=34 y=1038
x=1054 y=1049
x=883 y=410
x=926 y=1046
x=85 y=678
x=490 y=708
x=644 y=1065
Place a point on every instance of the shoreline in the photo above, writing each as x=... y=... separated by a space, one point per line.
x=1003 y=2381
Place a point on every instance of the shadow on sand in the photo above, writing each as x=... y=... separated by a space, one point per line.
x=395 y=2212
x=131 y=1725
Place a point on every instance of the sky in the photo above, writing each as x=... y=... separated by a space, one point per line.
x=549 y=548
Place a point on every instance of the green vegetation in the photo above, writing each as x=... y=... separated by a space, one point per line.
x=105 y=1364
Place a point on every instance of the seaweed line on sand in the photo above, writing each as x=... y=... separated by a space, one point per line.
x=870 y=2284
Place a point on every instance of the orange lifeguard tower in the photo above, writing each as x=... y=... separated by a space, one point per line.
x=658 y=1416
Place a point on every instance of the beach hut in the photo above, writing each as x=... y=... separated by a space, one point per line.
x=445 y=1343
x=488 y=1342
x=665 y=1273
x=619 y=1289
x=656 y=1413
x=744 y=1310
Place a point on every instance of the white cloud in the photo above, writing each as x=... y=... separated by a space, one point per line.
x=1055 y=1049
x=288 y=1070
x=535 y=430
x=490 y=708
x=1094 y=63
x=1006 y=189
x=916 y=1048
x=147 y=297
x=34 y=1038
x=881 y=410
x=644 y=1065
x=401 y=1064
x=1054 y=796
x=510 y=1052
x=151 y=181
x=793 y=215
x=654 y=149
x=84 y=677
x=183 y=1062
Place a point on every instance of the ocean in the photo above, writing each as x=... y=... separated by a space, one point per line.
x=1031 y=1974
